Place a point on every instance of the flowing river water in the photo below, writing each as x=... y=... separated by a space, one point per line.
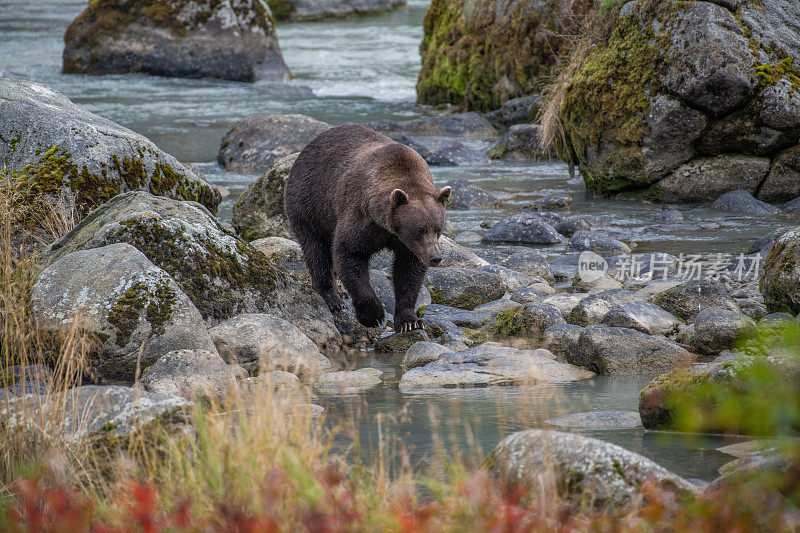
x=362 y=69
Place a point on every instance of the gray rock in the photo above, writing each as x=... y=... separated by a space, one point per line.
x=742 y=202
x=519 y=143
x=258 y=212
x=464 y=288
x=97 y=411
x=551 y=201
x=284 y=252
x=528 y=321
x=670 y=215
x=459 y=124
x=348 y=381
x=596 y=242
x=611 y=350
x=256 y=142
x=642 y=316
x=455 y=255
x=302 y=10
x=400 y=342
x=687 y=299
x=95 y=158
x=512 y=279
x=783 y=181
x=529 y=262
x=775 y=22
x=467 y=237
x=136 y=310
x=719 y=329
x=590 y=310
x=516 y=111
x=439 y=151
x=421 y=353
x=522 y=229
x=275 y=382
x=561 y=339
x=467 y=195
x=192 y=373
x=619 y=296
x=260 y=342
x=187 y=40
x=490 y=364
x=674 y=127
x=706 y=179
x=570 y=225
x=384 y=289
x=565 y=266
x=765 y=242
x=565 y=302
x=581 y=469
x=473 y=319
x=19 y=380
x=598 y=420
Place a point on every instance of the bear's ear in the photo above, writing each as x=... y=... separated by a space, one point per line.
x=399 y=197
x=444 y=194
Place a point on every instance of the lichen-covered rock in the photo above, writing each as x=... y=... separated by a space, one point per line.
x=581 y=469
x=302 y=10
x=642 y=316
x=185 y=39
x=285 y=252
x=400 y=342
x=135 y=310
x=612 y=350
x=522 y=229
x=109 y=414
x=529 y=321
x=192 y=373
x=259 y=212
x=256 y=142
x=455 y=255
x=490 y=364
x=719 y=329
x=527 y=261
x=686 y=300
x=464 y=288
x=521 y=110
x=780 y=280
x=221 y=274
x=687 y=100
x=480 y=54
x=590 y=310
x=260 y=342
x=421 y=353
x=519 y=143
x=348 y=381
x=561 y=339
x=55 y=147
x=596 y=242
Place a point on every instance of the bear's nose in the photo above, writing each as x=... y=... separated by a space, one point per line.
x=435 y=260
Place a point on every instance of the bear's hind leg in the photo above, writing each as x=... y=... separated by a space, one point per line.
x=319 y=260
x=408 y=273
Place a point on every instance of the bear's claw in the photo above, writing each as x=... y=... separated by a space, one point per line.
x=410 y=326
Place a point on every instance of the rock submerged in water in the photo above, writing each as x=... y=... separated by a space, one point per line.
x=259 y=212
x=581 y=469
x=115 y=294
x=188 y=39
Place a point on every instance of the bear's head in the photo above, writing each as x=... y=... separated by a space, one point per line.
x=418 y=220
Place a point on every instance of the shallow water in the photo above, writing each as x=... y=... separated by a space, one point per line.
x=362 y=69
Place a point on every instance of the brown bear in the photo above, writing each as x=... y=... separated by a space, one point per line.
x=353 y=192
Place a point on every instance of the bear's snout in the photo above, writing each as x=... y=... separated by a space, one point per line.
x=435 y=259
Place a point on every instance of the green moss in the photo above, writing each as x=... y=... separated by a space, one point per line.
x=421 y=311
x=281 y=9
x=436 y=296
x=156 y=302
x=510 y=323
x=475 y=336
x=771 y=73
x=224 y=144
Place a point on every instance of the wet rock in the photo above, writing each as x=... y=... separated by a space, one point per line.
x=642 y=316
x=590 y=310
x=256 y=142
x=527 y=261
x=348 y=381
x=719 y=329
x=596 y=242
x=439 y=151
x=571 y=225
x=192 y=373
x=474 y=319
x=553 y=201
x=520 y=110
x=19 y=380
x=612 y=350
x=565 y=302
x=598 y=421
x=258 y=212
x=191 y=39
x=99 y=411
x=467 y=237
x=528 y=321
x=275 y=382
x=705 y=179
x=459 y=124
x=578 y=468
x=421 y=353
x=284 y=252
x=764 y=243
x=742 y=202
x=303 y=10
x=519 y=143
x=561 y=339
x=490 y=364
x=780 y=280
x=687 y=299
x=260 y=342
x=522 y=229
x=400 y=342
x=464 y=288
x=57 y=148
x=670 y=215
x=783 y=181
x=466 y=195
x=135 y=309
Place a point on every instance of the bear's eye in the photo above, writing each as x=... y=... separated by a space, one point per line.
x=421 y=232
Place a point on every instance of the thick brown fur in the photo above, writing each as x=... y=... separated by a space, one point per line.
x=353 y=192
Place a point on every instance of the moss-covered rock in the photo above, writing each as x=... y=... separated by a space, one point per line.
x=780 y=279
x=259 y=213
x=672 y=86
x=297 y=10
x=480 y=53
x=178 y=38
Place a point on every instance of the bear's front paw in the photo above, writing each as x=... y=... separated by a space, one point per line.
x=333 y=300
x=370 y=313
x=409 y=325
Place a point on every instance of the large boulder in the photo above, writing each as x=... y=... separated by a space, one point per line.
x=259 y=213
x=581 y=469
x=780 y=281
x=522 y=229
x=297 y=10
x=455 y=125
x=716 y=330
x=185 y=39
x=687 y=100
x=192 y=373
x=642 y=316
x=686 y=300
x=480 y=54
x=256 y=142
x=464 y=288
x=134 y=310
x=221 y=274
x=54 y=148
